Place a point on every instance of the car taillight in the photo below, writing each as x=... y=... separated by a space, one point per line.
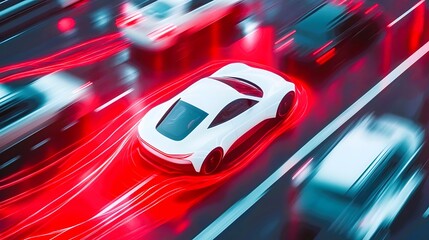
x=179 y=157
x=162 y=32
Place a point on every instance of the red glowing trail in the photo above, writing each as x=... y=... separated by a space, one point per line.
x=105 y=188
x=80 y=55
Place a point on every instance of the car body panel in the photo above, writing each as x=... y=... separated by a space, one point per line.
x=203 y=139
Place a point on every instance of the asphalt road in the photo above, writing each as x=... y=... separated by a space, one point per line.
x=185 y=218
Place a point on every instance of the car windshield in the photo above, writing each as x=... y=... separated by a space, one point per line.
x=180 y=120
x=159 y=10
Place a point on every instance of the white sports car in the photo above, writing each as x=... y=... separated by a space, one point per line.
x=157 y=25
x=195 y=129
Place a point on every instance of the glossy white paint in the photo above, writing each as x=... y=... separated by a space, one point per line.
x=212 y=96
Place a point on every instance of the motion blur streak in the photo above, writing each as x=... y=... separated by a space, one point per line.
x=80 y=55
x=122 y=194
x=417 y=28
x=239 y=208
x=405 y=14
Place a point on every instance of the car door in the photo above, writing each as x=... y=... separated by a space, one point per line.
x=235 y=119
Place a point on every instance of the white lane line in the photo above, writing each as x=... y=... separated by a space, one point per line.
x=40 y=144
x=405 y=13
x=69 y=126
x=9 y=162
x=240 y=207
x=114 y=99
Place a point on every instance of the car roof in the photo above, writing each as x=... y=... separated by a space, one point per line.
x=351 y=159
x=323 y=18
x=210 y=95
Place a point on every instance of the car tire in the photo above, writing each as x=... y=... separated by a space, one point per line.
x=212 y=161
x=285 y=105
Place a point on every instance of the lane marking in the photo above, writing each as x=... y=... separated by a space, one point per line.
x=114 y=99
x=239 y=208
x=40 y=144
x=10 y=161
x=406 y=13
x=65 y=128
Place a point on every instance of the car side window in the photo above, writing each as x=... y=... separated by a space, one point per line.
x=197 y=4
x=232 y=110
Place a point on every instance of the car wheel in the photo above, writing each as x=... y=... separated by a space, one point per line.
x=212 y=161
x=285 y=105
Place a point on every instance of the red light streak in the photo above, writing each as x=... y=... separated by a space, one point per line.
x=356 y=6
x=284 y=45
x=103 y=186
x=371 y=8
x=80 y=55
x=322 y=48
x=285 y=37
x=326 y=57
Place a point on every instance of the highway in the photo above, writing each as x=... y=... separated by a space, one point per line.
x=89 y=180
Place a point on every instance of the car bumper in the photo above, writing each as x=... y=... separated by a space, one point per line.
x=164 y=162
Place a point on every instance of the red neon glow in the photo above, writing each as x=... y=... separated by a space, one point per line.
x=103 y=188
x=285 y=37
x=417 y=28
x=326 y=57
x=356 y=6
x=322 y=48
x=79 y=55
x=66 y=24
x=371 y=8
x=284 y=45
x=129 y=16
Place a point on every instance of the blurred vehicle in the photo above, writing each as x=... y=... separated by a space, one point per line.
x=18 y=14
x=328 y=35
x=158 y=25
x=363 y=181
x=195 y=129
x=25 y=110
